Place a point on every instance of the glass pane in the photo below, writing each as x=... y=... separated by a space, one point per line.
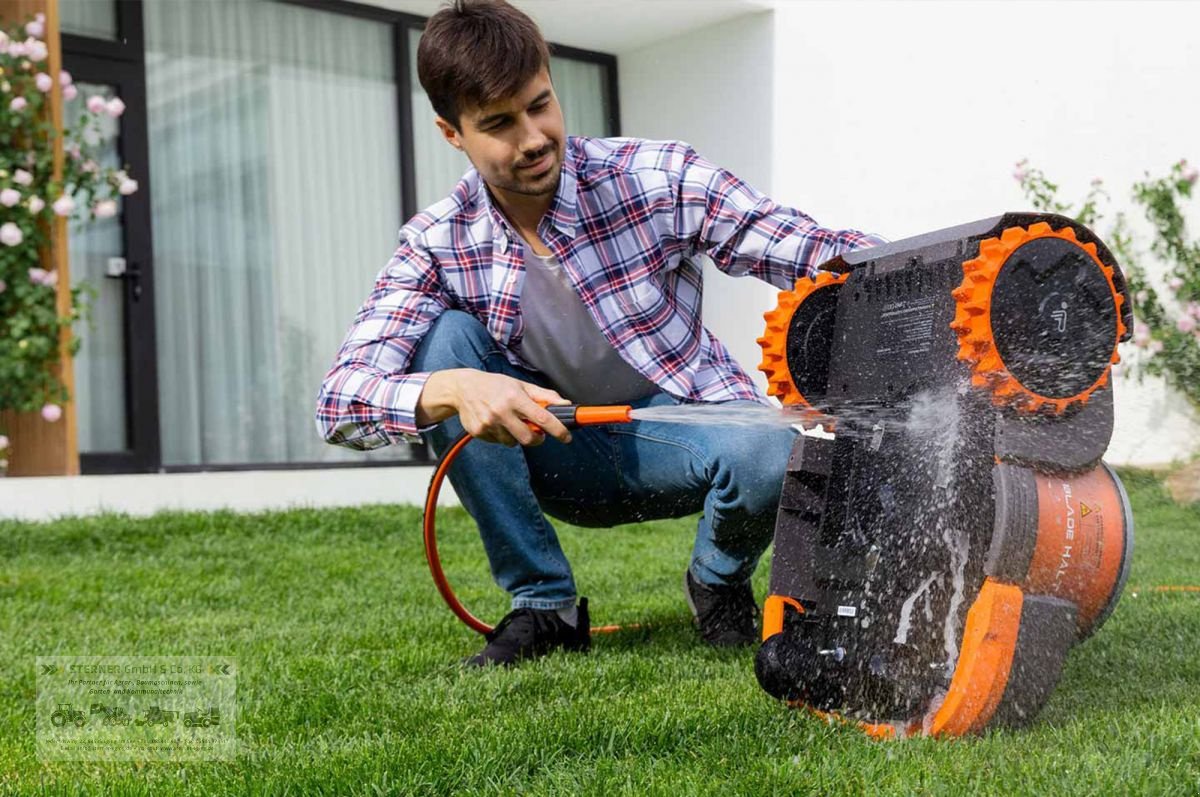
x=100 y=368
x=95 y=18
x=582 y=89
x=275 y=189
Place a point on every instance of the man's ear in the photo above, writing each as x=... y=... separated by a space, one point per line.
x=449 y=132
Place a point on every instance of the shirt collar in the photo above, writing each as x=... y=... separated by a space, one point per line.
x=562 y=213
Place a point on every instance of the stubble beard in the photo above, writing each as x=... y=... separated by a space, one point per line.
x=543 y=185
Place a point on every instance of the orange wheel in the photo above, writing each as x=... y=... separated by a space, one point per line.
x=783 y=340
x=1038 y=319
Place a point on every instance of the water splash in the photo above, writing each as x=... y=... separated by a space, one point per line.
x=721 y=415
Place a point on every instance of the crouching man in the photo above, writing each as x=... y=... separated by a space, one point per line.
x=566 y=268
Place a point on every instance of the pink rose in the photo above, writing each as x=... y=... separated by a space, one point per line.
x=1185 y=324
x=1175 y=283
x=36 y=204
x=127 y=187
x=64 y=78
x=9 y=197
x=10 y=234
x=115 y=107
x=1141 y=334
x=70 y=92
x=1190 y=175
x=18 y=104
x=38 y=276
x=96 y=104
x=51 y=413
x=36 y=29
x=16 y=49
x=1155 y=346
x=64 y=206
x=105 y=209
x=43 y=82
x=36 y=50
x=22 y=177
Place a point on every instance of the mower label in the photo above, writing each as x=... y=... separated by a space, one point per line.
x=905 y=327
x=136 y=708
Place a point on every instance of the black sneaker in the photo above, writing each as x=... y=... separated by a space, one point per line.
x=727 y=616
x=529 y=633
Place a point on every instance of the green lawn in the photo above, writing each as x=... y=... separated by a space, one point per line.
x=348 y=680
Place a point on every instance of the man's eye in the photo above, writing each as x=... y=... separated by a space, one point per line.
x=496 y=125
x=541 y=106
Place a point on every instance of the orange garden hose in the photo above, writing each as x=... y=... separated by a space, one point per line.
x=571 y=416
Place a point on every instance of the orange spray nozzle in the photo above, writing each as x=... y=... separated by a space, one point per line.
x=575 y=415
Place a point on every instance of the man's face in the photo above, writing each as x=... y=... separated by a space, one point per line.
x=517 y=143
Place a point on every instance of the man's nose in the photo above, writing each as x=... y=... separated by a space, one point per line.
x=533 y=140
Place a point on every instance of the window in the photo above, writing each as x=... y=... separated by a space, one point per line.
x=282 y=159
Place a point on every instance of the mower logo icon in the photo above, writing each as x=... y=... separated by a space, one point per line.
x=1060 y=317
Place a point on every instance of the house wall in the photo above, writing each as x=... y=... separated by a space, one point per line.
x=713 y=88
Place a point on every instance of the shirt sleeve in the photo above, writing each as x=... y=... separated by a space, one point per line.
x=745 y=232
x=368 y=399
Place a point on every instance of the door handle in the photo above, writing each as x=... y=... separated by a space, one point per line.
x=120 y=268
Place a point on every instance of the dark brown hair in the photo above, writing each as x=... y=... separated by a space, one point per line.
x=474 y=52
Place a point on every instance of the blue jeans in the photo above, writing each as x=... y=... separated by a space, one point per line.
x=607 y=475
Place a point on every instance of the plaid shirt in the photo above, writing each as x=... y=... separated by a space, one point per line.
x=627 y=221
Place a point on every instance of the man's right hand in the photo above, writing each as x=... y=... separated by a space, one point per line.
x=491 y=407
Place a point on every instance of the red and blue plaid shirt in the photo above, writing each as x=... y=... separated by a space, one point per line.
x=627 y=222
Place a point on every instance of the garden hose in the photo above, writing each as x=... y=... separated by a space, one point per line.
x=572 y=416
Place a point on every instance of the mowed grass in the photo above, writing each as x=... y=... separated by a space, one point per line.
x=348 y=682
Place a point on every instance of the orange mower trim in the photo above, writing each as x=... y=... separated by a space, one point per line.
x=989 y=641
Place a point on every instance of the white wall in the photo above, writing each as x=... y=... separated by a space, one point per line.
x=908 y=117
x=714 y=89
x=905 y=117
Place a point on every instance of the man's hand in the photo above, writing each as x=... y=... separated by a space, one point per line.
x=491 y=407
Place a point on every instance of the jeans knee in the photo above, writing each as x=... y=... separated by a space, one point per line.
x=756 y=466
x=456 y=340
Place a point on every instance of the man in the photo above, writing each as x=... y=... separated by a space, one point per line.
x=566 y=268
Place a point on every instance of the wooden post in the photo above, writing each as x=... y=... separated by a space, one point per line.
x=39 y=448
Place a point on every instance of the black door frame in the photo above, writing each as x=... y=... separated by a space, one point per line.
x=121 y=64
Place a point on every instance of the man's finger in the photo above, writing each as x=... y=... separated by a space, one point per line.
x=543 y=394
x=537 y=414
x=521 y=432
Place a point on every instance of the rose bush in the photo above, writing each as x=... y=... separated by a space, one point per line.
x=30 y=199
x=1166 y=332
